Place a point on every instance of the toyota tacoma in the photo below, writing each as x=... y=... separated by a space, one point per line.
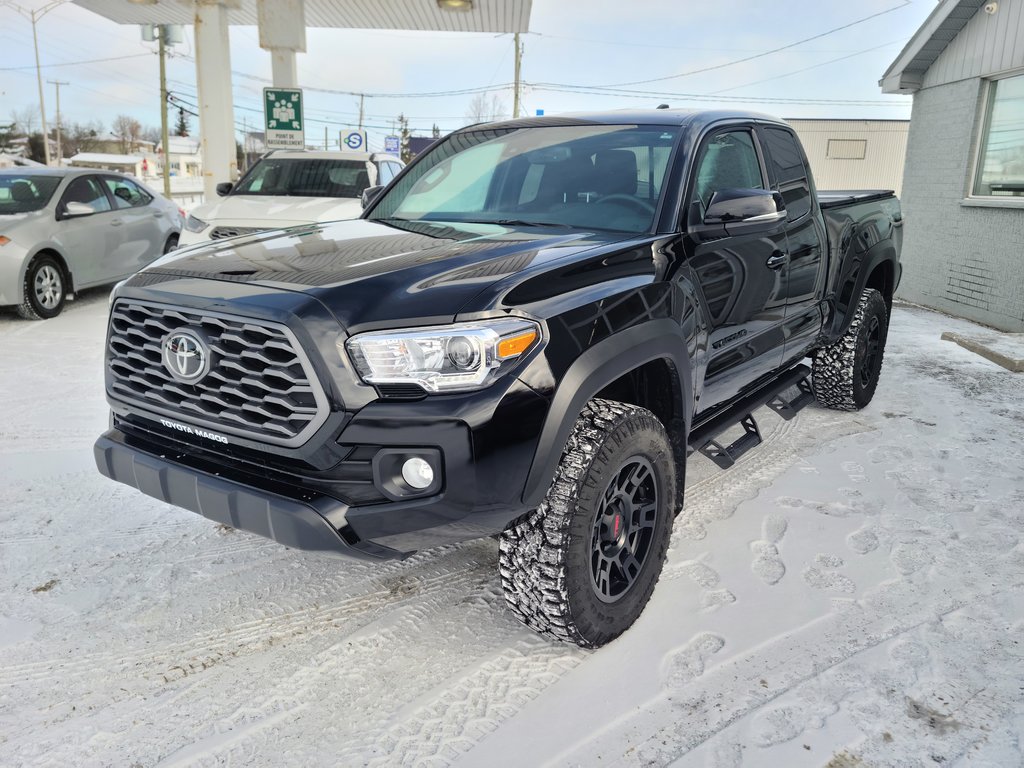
x=525 y=335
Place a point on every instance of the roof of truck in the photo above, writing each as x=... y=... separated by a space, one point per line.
x=634 y=117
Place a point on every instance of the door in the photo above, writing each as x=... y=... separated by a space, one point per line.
x=740 y=276
x=144 y=227
x=88 y=241
x=804 y=271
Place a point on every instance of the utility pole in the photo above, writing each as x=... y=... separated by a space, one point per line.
x=362 y=96
x=164 y=132
x=58 y=83
x=518 y=65
x=325 y=138
x=34 y=15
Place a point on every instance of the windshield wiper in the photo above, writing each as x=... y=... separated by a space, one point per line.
x=522 y=223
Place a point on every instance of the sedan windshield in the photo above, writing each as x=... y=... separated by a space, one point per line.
x=290 y=177
x=24 y=193
x=591 y=176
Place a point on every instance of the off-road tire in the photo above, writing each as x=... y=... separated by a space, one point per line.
x=844 y=376
x=547 y=556
x=32 y=306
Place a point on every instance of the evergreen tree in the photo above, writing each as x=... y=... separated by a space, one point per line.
x=181 y=127
x=403 y=142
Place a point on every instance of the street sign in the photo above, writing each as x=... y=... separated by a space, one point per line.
x=353 y=140
x=392 y=144
x=282 y=108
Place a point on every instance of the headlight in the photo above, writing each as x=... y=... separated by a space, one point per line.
x=445 y=358
x=192 y=224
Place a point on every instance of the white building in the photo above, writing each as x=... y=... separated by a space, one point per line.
x=855 y=154
x=185 y=156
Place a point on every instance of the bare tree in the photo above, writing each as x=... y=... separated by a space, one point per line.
x=82 y=137
x=151 y=133
x=25 y=119
x=486 y=107
x=128 y=131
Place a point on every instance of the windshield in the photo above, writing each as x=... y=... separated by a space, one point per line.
x=24 y=193
x=291 y=177
x=591 y=176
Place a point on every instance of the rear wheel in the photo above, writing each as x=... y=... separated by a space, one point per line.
x=45 y=289
x=845 y=375
x=582 y=566
x=171 y=244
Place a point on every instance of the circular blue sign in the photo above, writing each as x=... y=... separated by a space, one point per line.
x=354 y=140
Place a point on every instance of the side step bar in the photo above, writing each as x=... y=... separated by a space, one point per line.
x=703 y=434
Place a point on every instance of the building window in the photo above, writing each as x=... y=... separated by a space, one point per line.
x=1000 y=171
x=847 y=149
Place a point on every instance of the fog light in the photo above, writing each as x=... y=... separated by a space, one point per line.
x=417 y=473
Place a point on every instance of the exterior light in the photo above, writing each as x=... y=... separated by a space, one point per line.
x=417 y=473
x=462 y=6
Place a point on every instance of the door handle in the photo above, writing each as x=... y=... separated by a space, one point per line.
x=776 y=260
x=116 y=222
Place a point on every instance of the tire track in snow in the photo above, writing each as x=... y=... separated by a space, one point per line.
x=182 y=658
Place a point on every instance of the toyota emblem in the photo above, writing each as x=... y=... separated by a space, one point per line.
x=186 y=356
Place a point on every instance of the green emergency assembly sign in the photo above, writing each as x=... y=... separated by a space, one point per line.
x=282 y=108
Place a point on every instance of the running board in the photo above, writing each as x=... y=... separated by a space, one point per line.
x=703 y=434
x=787 y=409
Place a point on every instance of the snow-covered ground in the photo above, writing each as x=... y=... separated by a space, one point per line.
x=849 y=594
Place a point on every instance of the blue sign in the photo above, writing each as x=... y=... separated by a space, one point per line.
x=540 y=113
x=392 y=144
x=354 y=141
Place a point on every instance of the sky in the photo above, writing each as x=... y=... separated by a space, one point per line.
x=571 y=43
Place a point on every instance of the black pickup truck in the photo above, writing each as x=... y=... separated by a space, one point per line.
x=524 y=335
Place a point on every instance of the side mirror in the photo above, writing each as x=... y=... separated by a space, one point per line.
x=224 y=188
x=370 y=194
x=745 y=206
x=73 y=210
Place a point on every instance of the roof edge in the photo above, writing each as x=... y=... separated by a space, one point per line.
x=896 y=79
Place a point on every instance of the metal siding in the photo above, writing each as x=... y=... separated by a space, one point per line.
x=882 y=166
x=987 y=45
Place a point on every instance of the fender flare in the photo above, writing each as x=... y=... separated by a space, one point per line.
x=845 y=302
x=592 y=371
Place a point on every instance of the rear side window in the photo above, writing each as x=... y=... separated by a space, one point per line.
x=791 y=177
x=127 y=194
x=384 y=173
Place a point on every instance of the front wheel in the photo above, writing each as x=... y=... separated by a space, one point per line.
x=583 y=565
x=845 y=375
x=45 y=290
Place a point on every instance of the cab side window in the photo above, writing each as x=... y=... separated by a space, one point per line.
x=127 y=194
x=729 y=162
x=791 y=177
x=88 y=191
x=384 y=173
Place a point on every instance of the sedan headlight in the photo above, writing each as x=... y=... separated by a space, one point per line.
x=192 y=224
x=444 y=358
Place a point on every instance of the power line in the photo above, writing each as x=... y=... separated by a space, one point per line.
x=76 y=63
x=713 y=67
x=807 y=69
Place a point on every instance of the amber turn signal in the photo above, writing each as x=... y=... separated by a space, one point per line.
x=515 y=345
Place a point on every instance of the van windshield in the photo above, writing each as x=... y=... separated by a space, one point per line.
x=589 y=176
x=25 y=193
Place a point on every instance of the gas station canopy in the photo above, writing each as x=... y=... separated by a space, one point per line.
x=282 y=29
x=498 y=16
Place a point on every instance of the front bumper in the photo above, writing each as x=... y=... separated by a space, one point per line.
x=300 y=523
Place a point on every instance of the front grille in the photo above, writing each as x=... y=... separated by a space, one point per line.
x=219 y=233
x=260 y=384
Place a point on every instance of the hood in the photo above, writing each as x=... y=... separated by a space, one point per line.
x=368 y=272
x=270 y=211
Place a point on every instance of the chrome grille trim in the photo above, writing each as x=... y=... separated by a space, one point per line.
x=261 y=385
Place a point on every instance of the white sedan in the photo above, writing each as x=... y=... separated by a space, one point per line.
x=290 y=188
x=62 y=230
